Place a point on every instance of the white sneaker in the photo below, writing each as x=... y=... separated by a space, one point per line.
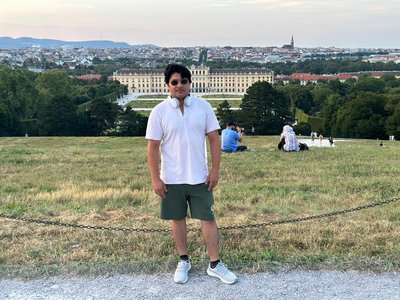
x=223 y=273
x=181 y=272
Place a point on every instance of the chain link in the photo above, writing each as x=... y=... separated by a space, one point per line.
x=315 y=217
x=160 y=230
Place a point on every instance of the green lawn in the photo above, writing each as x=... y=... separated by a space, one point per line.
x=144 y=103
x=104 y=181
x=161 y=96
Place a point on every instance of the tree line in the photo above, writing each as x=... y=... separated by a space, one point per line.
x=53 y=103
x=366 y=108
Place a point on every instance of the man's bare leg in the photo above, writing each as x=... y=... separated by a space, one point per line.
x=179 y=234
x=210 y=236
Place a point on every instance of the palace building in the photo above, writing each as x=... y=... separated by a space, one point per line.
x=204 y=80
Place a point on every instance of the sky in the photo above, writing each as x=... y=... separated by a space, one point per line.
x=179 y=23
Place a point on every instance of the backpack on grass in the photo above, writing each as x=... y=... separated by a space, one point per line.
x=303 y=146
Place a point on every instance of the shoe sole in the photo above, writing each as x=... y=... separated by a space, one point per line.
x=212 y=274
x=182 y=282
x=187 y=278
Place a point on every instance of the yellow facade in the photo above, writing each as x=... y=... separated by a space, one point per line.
x=204 y=80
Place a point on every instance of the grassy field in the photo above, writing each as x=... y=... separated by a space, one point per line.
x=105 y=181
x=144 y=103
x=154 y=96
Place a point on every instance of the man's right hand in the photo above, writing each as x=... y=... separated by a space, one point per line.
x=159 y=187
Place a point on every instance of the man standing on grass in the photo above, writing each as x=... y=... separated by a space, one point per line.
x=178 y=127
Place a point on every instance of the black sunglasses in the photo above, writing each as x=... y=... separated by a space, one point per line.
x=183 y=81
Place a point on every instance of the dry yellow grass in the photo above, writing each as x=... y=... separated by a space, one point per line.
x=105 y=182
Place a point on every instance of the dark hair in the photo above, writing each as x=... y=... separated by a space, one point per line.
x=177 y=68
x=231 y=123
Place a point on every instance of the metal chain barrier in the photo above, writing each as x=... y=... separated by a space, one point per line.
x=152 y=230
x=315 y=217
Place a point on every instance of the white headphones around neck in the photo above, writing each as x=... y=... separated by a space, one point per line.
x=175 y=102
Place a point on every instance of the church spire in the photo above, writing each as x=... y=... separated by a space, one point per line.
x=292 y=42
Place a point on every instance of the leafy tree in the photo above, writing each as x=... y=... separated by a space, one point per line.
x=96 y=60
x=369 y=84
x=55 y=83
x=363 y=117
x=392 y=125
x=18 y=100
x=132 y=123
x=42 y=104
x=340 y=88
x=265 y=108
x=390 y=81
x=5 y=120
x=329 y=112
x=224 y=113
x=320 y=95
x=85 y=126
x=103 y=115
x=302 y=128
x=58 y=117
x=300 y=97
x=393 y=100
x=82 y=98
x=388 y=77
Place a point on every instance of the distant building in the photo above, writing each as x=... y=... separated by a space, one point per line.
x=290 y=46
x=90 y=77
x=204 y=80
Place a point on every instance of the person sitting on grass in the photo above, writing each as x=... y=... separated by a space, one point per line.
x=230 y=137
x=288 y=141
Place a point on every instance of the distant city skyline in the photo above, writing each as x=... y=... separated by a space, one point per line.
x=179 y=23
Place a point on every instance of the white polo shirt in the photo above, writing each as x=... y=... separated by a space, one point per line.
x=182 y=136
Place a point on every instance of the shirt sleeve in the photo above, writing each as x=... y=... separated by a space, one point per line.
x=237 y=136
x=212 y=122
x=154 y=129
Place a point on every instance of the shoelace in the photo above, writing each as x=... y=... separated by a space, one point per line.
x=182 y=266
x=221 y=268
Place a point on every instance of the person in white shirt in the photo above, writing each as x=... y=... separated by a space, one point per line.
x=288 y=141
x=177 y=128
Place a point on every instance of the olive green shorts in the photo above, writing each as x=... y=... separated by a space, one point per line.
x=181 y=196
